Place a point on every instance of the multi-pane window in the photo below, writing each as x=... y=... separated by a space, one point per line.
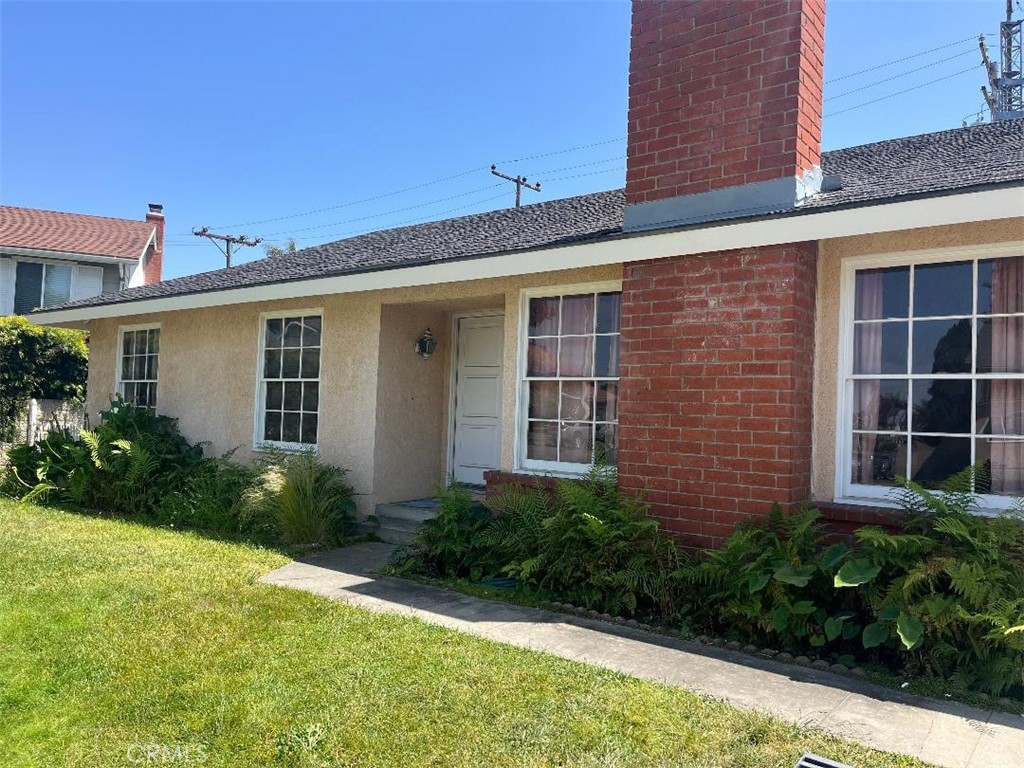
x=140 y=363
x=570 y=388
x=290 y=380
x=40 y=285
x=937 y=376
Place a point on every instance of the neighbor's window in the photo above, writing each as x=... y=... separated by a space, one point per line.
x=571 y=383
x=40 y=285
x=140 y=364
x=290 y=380
x=936 y=381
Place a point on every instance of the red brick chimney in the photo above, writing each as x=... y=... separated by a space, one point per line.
x=717 y=350
x=724 y=108
x=154 y=265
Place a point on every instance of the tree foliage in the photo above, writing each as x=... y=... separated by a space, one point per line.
x=50 y=363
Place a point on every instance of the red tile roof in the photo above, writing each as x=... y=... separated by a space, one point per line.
x=73 y=232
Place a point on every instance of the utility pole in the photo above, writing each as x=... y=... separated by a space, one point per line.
x=1006 y=99
x=228 y=240
x=519 y=181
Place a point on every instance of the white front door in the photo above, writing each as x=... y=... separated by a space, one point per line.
x=476 y=436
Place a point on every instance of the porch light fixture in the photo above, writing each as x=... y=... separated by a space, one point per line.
x=426 y=344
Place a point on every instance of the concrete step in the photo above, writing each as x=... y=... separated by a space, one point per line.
x=414 y=511
x=395 y=536
x=400 y=521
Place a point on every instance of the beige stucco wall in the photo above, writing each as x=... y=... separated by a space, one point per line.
x=380 y=414
x=831 y=254
x=411 y=404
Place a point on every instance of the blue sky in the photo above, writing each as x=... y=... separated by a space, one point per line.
x=238 y=112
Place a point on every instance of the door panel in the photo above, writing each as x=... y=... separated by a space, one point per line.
x=477 y=416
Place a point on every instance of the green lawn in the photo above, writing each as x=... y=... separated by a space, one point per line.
x=114 y=635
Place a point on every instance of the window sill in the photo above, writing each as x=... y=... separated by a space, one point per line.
x=269 y=447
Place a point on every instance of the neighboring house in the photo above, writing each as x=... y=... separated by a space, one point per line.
x=750 y=321
x=49 y=258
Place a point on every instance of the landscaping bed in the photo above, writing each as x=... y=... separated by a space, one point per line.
x=936 y=607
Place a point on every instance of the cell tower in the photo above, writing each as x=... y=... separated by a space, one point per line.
x=1006 y=100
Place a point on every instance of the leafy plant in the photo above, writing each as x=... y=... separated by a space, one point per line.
x=210 y=498
x=38 y=362
x=772 y=582
x=137 y=464
x=588 y=543
x=307 y=502
x=451 y=543
x=947 y=589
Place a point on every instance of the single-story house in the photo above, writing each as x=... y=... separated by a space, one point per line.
x=51 y=257
x=749 y=321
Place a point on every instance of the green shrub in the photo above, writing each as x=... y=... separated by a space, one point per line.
x=126 y=466
x=943 y=596
x=772 y=582
x=948 y=590
x=589 y=544
x=210 y=498
x=38 y=362
x=450 y=544
x=306 y=501
x=137 y=464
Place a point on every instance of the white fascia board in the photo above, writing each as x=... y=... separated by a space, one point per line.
x=40 y=253
x=151 y=240
x=807 y=227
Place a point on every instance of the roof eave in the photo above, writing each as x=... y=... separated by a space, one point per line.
x=47 y=253
x=808 y=224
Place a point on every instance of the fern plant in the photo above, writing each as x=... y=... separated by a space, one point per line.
x=451 y=543
x=949 y=588
x=588 y=543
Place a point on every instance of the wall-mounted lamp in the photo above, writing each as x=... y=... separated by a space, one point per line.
x=426 y=344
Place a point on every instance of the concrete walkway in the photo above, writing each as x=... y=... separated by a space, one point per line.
x=946 y=734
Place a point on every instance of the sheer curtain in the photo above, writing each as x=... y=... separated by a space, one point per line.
x=1008 y=394
x=868 y=359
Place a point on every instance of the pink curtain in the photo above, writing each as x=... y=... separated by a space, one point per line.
x=1007 y=394
x=576 y=355
x=868 y=359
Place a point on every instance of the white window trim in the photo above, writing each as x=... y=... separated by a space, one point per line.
x=119 y=357
x=520 y=462
x=258 y=443
x=882 y=496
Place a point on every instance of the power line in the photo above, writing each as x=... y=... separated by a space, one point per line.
x=357 y=202
x=971 y=51
x=428 y=217
x=563 y=151
x=580 y=165
x=386 y=213
x=591 y=173
x=414 y=187
x=337 y=235
x=900 y=61
x=900 y=93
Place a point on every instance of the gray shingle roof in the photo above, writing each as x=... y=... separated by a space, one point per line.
x=929 y=164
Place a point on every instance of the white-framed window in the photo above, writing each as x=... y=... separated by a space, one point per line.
x=288 y=397
x=138 y=364
x=932 y=371
x=568 y=377
x=39 y=284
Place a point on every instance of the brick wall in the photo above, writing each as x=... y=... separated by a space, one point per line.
x=722 y=94
x=715 y=392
